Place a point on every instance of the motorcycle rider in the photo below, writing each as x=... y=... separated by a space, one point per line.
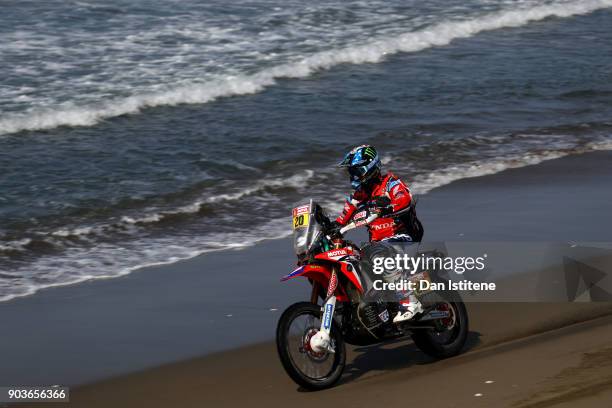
x=387 y=194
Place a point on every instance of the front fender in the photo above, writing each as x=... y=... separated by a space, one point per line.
x=314 y=271
x=317 y=273
x=296 y=272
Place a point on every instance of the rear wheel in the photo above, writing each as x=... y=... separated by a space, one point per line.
x=449 y=335
x=307 y=368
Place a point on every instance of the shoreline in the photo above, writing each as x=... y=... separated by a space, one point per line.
x=177 y=312
x=486 y=171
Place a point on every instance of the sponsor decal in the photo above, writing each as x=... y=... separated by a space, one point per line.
x=337 y=252
x=361 y=222
x=333 y=283
x=303 y=209
x=360 y=214
x=384 y=225
x=327 y=316
x=384 y=316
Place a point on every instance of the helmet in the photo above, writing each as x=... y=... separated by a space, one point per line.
x=362 y=164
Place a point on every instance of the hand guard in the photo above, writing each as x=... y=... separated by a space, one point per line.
x=334 y=229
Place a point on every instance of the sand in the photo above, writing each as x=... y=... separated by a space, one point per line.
x=563 y=364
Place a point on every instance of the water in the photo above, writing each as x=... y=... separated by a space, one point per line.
x=137 y=133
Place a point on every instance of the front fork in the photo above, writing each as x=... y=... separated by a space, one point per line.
x=321 y=341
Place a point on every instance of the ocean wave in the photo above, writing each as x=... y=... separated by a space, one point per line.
x=127 y=224
x=111 y=261
x=232 y=85
x=16 y=245
x=297 y=180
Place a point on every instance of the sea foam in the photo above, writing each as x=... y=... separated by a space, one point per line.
x=225 y=86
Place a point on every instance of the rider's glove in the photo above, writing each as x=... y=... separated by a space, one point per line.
x=383 y=206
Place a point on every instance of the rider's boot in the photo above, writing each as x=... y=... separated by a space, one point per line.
x=409 y=307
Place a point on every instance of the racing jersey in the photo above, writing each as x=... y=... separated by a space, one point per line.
x=388 y=186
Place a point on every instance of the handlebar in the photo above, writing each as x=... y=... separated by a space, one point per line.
x=370 y=218
x=355 y=224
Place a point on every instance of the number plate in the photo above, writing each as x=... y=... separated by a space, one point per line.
x=301 y=216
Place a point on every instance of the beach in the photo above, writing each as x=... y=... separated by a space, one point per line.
x=169 y=313
x=151 y=153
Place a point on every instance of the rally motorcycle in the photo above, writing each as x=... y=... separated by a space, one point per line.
x=345 y=308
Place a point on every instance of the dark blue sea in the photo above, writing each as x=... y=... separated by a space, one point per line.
x=144 y=132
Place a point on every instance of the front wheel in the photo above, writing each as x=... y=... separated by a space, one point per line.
x=311 y=370
x=449 y=335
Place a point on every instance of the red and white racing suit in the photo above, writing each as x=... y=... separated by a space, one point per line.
x=387 y=186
